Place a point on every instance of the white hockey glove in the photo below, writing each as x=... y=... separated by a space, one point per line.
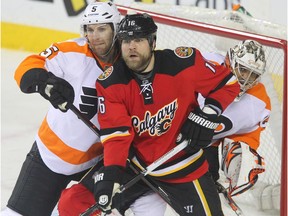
x=198 y=129
x=241 y=166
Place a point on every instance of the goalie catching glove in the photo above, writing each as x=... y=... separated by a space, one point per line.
x=55 y=89
x=198 y=129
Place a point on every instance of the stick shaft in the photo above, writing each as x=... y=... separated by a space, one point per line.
x=165 y=157
x=150 y=183
x=83 y=118
x=145 y=172
x=142 y=174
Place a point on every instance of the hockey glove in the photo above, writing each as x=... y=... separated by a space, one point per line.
x=107 y=184
x=59 y=92
x=198 y=129
x=34 y=80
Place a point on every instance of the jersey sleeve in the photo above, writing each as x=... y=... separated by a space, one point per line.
x=29 y=63
x=261 y=114
x=116 y=129
x=216 y=83
x=252 y=138
x=31 y=69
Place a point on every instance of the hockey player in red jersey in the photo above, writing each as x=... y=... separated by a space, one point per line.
x=64 y=147
x=243 y=120
x=242 y=132
x=148 y=103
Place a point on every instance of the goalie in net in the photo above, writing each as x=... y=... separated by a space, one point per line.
x=242 y=121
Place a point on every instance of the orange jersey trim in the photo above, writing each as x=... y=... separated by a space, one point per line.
x=33 y=61
x=38 y=61
x=260 y=92
x=71 y=46
x=252 y=138
x=65 y=152
x=105 y=65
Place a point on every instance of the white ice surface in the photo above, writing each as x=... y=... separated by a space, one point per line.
x=22 y=114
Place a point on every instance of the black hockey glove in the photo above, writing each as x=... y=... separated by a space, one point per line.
x=198 y=129
x=107 y=183
x=34 y=80
x=57 y=90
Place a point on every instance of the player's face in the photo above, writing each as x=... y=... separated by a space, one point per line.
x=136 y=53
x=246 y=77
x=100 y=37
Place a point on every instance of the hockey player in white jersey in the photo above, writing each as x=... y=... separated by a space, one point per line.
x=242 y=121
x=64 y=147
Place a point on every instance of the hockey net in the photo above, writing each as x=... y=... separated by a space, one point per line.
x=216 y=31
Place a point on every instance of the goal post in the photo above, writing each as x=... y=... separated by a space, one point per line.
x=174 y=31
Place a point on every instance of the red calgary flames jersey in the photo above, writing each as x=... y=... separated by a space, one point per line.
x=147 y=111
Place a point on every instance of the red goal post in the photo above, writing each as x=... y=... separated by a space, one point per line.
x=169 y=36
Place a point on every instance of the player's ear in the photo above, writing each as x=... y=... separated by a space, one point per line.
x=153 y=45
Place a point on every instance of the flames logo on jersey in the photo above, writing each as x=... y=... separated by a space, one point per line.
x=106 y=73
x=157 y=124
x=183 y=52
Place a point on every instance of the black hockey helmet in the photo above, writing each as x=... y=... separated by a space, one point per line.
x=136 y=26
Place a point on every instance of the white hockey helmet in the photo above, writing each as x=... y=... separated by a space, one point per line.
x=247 y=61
x=101 y=12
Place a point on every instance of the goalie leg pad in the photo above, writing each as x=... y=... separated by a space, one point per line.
x=241 y=166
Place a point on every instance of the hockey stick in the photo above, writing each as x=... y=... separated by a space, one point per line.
x=156 y=188
x=83 y=118
x=70 y=106
x=152 y=185
x=143 y=173
x=230 y=201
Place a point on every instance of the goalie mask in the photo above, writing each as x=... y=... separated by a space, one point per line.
x=101 y=12
x=247 y=61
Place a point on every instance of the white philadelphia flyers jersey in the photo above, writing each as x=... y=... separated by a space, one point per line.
x=66 y=144
x=245 y=119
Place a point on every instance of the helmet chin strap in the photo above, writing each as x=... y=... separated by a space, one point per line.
x=113 y=43
x=109 y=50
